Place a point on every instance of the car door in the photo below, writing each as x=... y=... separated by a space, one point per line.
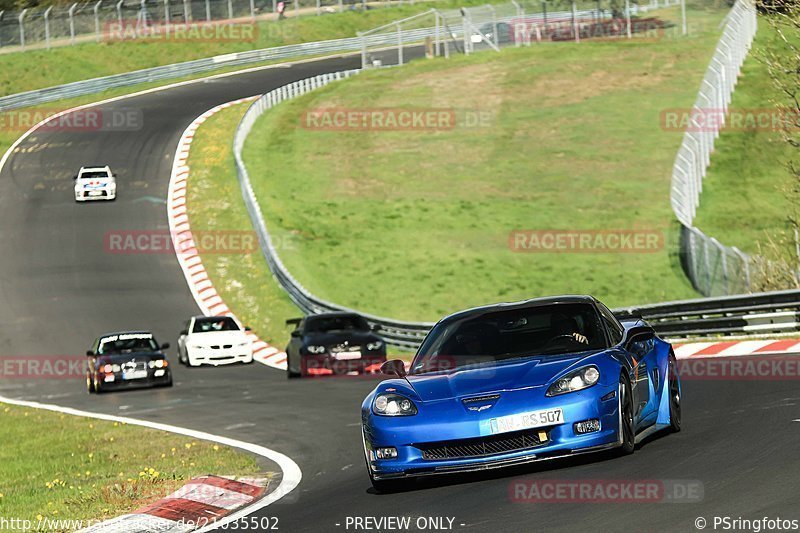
x=646 y=378
x=637 y=356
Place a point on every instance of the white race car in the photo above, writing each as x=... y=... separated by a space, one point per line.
x=95 y=183
x=214 y=340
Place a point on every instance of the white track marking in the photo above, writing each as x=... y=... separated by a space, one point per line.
x=291 y=472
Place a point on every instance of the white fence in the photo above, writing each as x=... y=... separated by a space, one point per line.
x=712 y=267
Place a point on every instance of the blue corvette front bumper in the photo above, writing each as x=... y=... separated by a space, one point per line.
x=469 y=440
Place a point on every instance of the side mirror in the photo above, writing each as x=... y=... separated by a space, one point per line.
x=184 y=332
x=89 y=353
x=295 y=333
x=248 y=328
x=75 y=177
x=165 y=346
x=639 y=333
x=394 y=367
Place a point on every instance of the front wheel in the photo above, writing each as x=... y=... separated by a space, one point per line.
x=89 y=384
x=626 y=427
x=674 y=390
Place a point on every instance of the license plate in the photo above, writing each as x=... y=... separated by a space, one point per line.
x=346 y=356
x=530 y=420
x=95 y=193
x=136 y=374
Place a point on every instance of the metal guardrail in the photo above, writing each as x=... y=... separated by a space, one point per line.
x=742 y=315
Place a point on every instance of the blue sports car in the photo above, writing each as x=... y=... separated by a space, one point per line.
x=511 y=383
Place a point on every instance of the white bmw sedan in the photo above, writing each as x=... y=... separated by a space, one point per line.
x=214 y=340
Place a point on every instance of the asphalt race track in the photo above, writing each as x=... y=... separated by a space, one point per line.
x=60 y=288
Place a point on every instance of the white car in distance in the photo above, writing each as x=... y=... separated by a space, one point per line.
x=214 y=340
x=95 y=183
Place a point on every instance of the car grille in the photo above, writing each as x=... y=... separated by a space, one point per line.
x=483 y=446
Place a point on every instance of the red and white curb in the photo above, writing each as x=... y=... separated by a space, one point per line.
x=698 y=350
x=202 y=502
x=206 y=296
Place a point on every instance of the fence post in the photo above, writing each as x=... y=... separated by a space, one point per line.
x=363 y=49
x=628 y=18
x=319 y=8
x=575 y=23
x=544 y=14
x=167 y=18
x=684 y=29
x=253 y=10
x=96 y=10
x=230 y=9
x=436 y=37
x=2 y=16
x=21 y=19
x=71 y=14
x=341 y=6
x=297 y=8
x=186 y=13
x=746 y=264
x=208 y=10
x=399 y=42
x=119 y=15
x=47 y=26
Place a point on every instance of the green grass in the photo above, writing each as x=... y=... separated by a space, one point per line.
x=214 y=202
x=414 y=225
x=89 y=469
x=744 y=200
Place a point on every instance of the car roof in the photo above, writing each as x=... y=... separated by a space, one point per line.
x=523 y=304
x=336 y=314
x=126 y=332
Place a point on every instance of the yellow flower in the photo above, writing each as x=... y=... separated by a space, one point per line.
x=39 y=517
x=1 y=495
x=91 y=455
x=187 y=445
x=216 y=448
x=88 y=473
x=163 y=455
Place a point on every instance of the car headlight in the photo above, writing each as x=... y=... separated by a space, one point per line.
x=374 y=345
x=315 y=349
x=393 y=405
x=576 y=380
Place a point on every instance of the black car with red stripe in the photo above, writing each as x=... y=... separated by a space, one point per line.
x=333 y=344
x=126 y=360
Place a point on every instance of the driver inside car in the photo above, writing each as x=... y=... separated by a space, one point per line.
x=566 y=326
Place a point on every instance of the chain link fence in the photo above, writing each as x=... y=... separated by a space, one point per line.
x=516 y=23
x=713 y=268
x=99 y=20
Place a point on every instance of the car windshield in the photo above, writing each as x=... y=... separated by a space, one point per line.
x=211 y=324
x=320 y=324
x=127 y=343
x=547 y=330
x=93 y=174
